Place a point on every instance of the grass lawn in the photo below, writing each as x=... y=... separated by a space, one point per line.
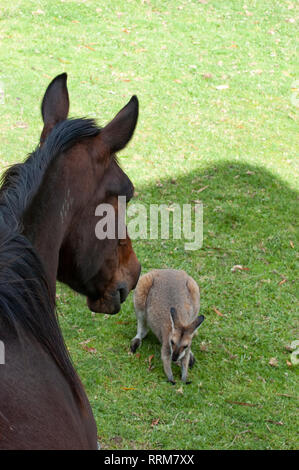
x=218 y=111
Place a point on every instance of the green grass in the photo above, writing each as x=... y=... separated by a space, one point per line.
x=241 y=142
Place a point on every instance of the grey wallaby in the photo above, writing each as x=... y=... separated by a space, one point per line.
x=167 y=301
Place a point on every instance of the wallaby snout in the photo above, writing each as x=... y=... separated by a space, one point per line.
x=175 y=356
x=167 y=302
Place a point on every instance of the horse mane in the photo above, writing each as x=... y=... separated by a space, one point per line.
x=20 y=182
x=25 y=297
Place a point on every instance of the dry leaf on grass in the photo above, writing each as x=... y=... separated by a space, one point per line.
x=63 y=61
x=222 y=87
x=155 y=422
x=86 y=46
x=218 y=312
x=239 y=267
x=280 y=423
x=202 y=189
x=241 y=403
x=150 y=366
x=90 y=350
x=207 y=76
x=285 y=395
x=273 y=362
x=21 y=125
x=203 y=346
x=38 y=12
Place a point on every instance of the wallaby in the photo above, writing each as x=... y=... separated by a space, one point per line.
x=167 y=302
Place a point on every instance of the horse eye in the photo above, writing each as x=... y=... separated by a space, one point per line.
x=172 y=342
x=186 y=345
x=122 y=242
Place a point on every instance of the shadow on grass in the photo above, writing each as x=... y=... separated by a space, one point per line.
x=249 y=220
x=243 y=204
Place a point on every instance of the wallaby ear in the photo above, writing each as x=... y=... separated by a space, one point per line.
x=119 y=131
x=194 y=292
x=55 y=104
x=196 y=323
x=173 y=316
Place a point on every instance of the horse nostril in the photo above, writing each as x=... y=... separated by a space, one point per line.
x=123 y=292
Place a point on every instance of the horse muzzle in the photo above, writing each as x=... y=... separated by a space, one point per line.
x=111 y=303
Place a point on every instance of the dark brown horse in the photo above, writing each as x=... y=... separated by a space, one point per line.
x=47 y=231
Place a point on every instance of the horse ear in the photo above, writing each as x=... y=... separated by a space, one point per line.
x=55 y=104
x=119 y=131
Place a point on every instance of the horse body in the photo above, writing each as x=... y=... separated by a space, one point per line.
x=42 y=401
x=38 y=407
x=47 y=226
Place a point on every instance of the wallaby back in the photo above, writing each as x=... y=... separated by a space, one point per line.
x=161 y=290
x=167 y=302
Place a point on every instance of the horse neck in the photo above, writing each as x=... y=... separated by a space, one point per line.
x=46 y=228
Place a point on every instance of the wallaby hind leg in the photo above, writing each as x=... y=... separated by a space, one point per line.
x=142 y=330
x=141 y=292
x=191 y=360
